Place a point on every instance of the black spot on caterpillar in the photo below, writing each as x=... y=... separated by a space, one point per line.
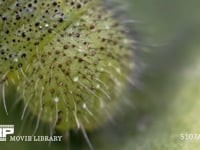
x=69 y=60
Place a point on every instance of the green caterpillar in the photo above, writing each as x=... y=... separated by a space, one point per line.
x=69 y=60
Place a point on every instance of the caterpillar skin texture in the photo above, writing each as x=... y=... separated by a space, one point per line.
x=69 y=60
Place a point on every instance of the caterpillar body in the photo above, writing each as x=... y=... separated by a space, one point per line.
x=69 y=60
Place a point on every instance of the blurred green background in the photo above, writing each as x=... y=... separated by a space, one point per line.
x=166 y=97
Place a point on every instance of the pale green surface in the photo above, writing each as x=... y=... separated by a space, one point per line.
x=182 y=116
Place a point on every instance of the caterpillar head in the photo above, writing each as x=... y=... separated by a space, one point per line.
x=68 y=59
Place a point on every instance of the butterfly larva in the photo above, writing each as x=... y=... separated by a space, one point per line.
x=69 y=60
